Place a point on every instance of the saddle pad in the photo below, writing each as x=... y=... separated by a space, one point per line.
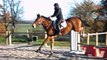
x=64 y=24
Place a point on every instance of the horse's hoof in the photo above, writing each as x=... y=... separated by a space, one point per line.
x=50 y=55
x=37 y=50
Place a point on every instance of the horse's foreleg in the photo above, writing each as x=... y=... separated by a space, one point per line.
x=52 y=44
x=46 y=45
x=46 y=42
x=43 y=44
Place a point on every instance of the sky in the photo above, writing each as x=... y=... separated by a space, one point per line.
x=43 y=7
x=46 y=8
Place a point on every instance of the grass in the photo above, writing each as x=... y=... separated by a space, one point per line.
x=25 y=27
x=60 y=43
x=57 y=43
x=39 y=42
x=2 y=40
x=22 y=27
x=20 y=40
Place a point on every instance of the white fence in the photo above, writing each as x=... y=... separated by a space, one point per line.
x=75 y=40
x=96 y=34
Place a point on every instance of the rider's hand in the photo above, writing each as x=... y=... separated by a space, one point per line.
x=49 y=17
x=53 y=18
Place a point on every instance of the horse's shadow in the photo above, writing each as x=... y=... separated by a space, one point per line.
x=27 y=46
x=56 y=53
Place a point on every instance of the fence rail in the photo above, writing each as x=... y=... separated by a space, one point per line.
x=8 y=36
x=96 y=34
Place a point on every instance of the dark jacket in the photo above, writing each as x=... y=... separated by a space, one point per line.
x=57 y=13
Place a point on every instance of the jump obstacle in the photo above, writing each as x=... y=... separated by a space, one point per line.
x=89 y=50
x=96 y=51
x=75 y=43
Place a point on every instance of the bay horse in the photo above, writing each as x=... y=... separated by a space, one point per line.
x=73 y=23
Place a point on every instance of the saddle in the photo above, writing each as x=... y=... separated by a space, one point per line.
x=62 y=25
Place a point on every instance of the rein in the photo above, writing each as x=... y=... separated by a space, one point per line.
x=49 y=25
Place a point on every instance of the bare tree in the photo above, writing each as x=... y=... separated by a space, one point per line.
x=11 y=12
x=15 y=11
x=5 y=15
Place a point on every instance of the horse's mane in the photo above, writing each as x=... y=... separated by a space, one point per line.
x=47 y=18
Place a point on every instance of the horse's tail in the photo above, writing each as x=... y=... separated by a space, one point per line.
x=84 y=23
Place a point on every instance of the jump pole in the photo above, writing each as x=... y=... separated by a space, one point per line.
x=75 y=43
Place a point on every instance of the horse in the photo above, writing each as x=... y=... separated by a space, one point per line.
x=73 y=23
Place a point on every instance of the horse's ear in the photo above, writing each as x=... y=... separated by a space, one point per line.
x=38 y=15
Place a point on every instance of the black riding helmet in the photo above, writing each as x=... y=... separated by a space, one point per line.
x=56 y=5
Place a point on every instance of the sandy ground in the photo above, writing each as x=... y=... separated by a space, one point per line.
x=27 y=52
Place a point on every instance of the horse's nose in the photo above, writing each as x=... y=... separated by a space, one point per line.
x=33 y=25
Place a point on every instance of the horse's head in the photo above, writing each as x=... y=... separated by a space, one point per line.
x=38 y=21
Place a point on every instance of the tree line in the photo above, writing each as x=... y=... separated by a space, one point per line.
x=93 y=14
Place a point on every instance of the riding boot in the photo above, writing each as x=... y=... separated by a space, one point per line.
x=57 y=30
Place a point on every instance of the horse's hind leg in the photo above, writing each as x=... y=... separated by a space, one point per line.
x=45 y=41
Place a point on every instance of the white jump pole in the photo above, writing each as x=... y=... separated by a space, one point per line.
x=75 y=43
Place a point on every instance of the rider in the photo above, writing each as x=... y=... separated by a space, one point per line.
x=58 y=15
